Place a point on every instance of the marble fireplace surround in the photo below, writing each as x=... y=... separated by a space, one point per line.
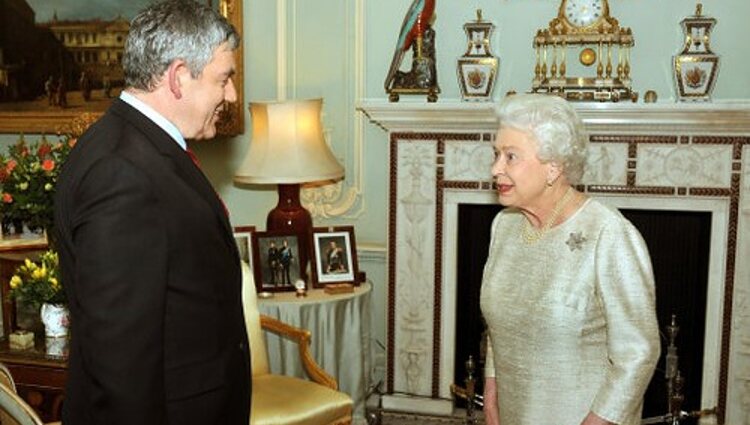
x=691 y=157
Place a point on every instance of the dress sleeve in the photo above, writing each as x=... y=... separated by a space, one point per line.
x=489 y=361
x=625 y=289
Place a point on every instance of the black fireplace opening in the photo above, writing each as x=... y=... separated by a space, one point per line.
x=679 y=245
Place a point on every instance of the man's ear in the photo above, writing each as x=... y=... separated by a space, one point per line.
x=176 y=77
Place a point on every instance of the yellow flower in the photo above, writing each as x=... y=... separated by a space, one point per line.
x=39 y=273
x=48 y=187
x=15 y=281
x=22 y=186
x=38 y=282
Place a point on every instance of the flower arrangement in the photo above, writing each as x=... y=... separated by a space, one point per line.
x=37 y=283
x=28 y=174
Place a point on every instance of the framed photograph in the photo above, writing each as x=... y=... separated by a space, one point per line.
x=276 y=256
x=63 y=59
x=335 y=259
x=243 y=236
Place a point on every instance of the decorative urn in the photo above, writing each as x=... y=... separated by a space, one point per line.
x=477 y=68
x=696 y=66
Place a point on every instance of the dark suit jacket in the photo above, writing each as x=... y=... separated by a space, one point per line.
x=153 y=279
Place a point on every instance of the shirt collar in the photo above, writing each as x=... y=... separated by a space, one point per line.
x=154 y=116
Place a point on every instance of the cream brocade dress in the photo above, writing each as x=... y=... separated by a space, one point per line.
x=572 y=320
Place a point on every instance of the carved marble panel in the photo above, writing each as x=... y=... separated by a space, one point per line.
x=414 y=262
x=739 y=412
x=739 y=373
x=468 y=161
x=745 y=194
x=739 y=394
x=684 y=165
x=607 y=164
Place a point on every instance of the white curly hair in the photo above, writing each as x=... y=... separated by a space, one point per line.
x=553 y=123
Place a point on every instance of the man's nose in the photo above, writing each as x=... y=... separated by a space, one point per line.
x=230 y=92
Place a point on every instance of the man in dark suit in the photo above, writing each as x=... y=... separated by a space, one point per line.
x=148 y=259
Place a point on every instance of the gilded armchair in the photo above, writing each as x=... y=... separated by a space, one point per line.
x=286 y=400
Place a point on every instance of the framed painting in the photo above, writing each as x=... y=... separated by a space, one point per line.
x=243 y=236
x=276 y=256
x=60 y=60
x=335 y=255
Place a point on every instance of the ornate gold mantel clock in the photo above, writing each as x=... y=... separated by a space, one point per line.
x=584 y=29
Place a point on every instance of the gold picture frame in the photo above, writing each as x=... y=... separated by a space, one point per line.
x=44 y=119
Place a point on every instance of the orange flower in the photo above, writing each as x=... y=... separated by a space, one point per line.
x=10 y=166
x=72 y=142
x=7 y=198
x=48 y=165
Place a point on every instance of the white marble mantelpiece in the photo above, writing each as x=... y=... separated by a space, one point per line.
x=692 y=157
x=607 y=117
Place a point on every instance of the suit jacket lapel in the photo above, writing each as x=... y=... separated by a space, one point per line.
x=186 y=169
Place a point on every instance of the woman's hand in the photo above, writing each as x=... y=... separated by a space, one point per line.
x=592 y=419
x=491 y=411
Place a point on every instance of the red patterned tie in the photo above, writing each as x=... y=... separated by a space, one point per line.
x=197 y=163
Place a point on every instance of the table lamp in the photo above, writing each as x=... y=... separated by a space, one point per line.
x=287 y=148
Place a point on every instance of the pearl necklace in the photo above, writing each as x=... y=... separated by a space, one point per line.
x=530 y=234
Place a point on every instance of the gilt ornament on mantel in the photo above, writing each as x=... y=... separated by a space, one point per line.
x=584 y=30
x=696 y=66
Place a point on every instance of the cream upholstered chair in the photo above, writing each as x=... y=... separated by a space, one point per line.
x=13 y=409
x=286 y=400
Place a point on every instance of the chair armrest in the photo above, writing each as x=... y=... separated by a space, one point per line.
x=302 y=338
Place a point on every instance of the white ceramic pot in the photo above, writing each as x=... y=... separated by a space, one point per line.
x=55 y=318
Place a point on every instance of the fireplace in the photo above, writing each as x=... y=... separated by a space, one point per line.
x=658 y=159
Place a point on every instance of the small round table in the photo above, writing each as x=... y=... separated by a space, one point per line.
x=340 y=343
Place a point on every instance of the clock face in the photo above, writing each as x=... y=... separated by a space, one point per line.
x=582 y=13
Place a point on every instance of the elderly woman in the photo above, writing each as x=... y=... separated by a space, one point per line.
x=568 y=290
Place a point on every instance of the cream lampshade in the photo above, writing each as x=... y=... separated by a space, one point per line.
x=287 y=145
